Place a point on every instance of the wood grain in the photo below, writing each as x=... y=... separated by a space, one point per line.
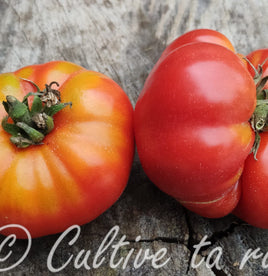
x=123 y=39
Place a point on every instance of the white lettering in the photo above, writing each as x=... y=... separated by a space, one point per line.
x=84 y=262
x=10 y=241
x=162 y=252
x=250 y=253
x=145 y=257
x=264 y=263
x=103 y=248
x=197 y=247
x=59 y=240
x=217 y=259
x=116 y=247
x=82 y=258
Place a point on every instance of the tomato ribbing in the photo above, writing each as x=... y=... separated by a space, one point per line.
x=83 y=165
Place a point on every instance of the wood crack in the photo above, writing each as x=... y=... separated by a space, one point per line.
x=161 y=239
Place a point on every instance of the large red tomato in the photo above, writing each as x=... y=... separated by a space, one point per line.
x=191 y=126
x=82 y=165
x=253 y=205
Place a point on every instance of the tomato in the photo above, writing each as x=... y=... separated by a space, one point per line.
x=253 y=204
x=191 y=126
x=83 y=165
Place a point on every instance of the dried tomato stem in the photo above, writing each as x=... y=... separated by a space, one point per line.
x=30 y=125
x=259 y=119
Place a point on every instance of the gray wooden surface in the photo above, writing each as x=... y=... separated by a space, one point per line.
x=123 y=39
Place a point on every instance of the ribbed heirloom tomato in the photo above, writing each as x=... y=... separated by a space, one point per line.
x=80 y=168
x=191 y=122
x=253 y=205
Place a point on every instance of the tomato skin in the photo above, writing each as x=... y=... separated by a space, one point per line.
x=253 y=204
x=84 y=164
x=198 y=35
x=191 y=127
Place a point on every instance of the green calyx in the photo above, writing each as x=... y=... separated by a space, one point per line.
x=259 y=119
x=29 y=126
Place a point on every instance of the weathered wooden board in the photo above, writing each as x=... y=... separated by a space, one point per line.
x=123 y=39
